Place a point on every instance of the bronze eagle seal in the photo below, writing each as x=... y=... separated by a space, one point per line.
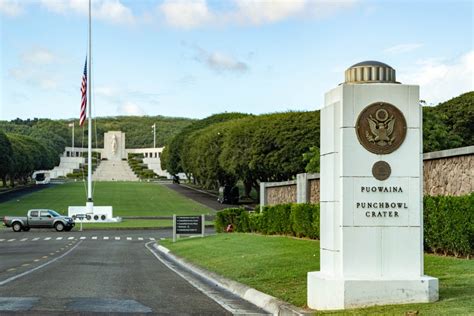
x=381 y=128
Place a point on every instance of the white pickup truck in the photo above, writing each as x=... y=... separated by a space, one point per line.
x=39 y=218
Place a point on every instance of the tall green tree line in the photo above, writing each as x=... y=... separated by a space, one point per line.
x=250 y=148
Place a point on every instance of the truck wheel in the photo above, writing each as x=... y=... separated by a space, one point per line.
x=59 y=227
x=16 y=227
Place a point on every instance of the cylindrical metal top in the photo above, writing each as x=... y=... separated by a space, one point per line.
x=370 y=72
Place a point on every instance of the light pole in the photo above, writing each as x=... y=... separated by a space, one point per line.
x=154 y=135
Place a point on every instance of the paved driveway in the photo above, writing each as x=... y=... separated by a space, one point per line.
x=45 y=272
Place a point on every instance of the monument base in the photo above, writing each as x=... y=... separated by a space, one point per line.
x=327 y=293
x=93 y=214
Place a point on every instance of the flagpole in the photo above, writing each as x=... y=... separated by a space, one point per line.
x=73 y=137
x=90 y=204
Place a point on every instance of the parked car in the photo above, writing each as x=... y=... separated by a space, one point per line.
x=39 y=218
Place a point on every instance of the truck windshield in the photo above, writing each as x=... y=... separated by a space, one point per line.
x=54 y=213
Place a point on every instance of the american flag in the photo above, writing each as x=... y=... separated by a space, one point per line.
x=82 y=117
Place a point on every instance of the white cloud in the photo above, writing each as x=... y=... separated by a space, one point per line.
x=35 y=77
x=220 y=62
x=402 y=48
x=441 y=79
x=260 y=12
x=38 y=56
x=37 y=68
x=107 y=10
x=129 y=108
x=195 y=13
x=185 y=13
x=11 y=7
x=106 y=91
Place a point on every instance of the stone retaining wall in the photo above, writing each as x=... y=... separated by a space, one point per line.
x=449 y=172
x=281 y=194
x=313 y=191
x=446 y=172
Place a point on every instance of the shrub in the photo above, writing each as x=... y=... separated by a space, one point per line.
x=232 y=216
x=276 y=219
x=284 y=219
x=305 y=220
x=449 y=224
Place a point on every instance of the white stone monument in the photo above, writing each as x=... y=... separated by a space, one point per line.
x=114 y=146
x=371 y=194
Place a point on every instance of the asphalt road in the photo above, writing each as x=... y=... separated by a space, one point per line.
x=199 y=196
x=48 y=273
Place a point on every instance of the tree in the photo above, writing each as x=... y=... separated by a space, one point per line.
x=6 y=154
x=176 y=156
x=279 y=143
x=203 y=160
x=436 y=134
x=236 y=151
x=312 y=160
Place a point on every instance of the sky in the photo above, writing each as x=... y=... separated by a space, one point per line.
x=195 y=58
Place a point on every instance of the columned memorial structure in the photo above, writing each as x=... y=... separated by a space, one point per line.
x=371 y=194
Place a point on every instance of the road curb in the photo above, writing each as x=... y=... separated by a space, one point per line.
x=264 y=301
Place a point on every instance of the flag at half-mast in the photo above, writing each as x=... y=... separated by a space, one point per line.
x=82 y=117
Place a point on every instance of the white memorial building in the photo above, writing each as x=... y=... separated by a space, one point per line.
x=113 y=165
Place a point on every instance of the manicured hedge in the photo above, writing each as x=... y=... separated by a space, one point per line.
x=300 y=220
x=448 y=222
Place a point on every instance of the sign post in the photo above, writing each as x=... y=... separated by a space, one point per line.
x=188 y=225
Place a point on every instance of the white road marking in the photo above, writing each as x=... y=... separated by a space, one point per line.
x=151 y=238
x=24 y=239
x=94 y=237
x=35 y=239
x=70 y=238
x=140 y=238
x=106 y=238
x=129 y=238
x=10 y=240
x=59 y=238
x=117 y=238
x=38 y=267
x=2 y=240
x=47 y=238
x=82 y=238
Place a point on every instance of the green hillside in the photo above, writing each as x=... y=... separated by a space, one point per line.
x=449 y=124
x=137 y=128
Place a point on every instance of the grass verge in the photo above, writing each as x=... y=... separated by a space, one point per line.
x=278 y=265
x=127 y=199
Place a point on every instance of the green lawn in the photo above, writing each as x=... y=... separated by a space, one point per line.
x=127 y=199
x=278 y=265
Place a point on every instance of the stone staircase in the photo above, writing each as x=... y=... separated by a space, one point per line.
x=114 y=170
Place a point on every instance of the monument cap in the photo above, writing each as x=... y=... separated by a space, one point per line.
x=370 y=71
